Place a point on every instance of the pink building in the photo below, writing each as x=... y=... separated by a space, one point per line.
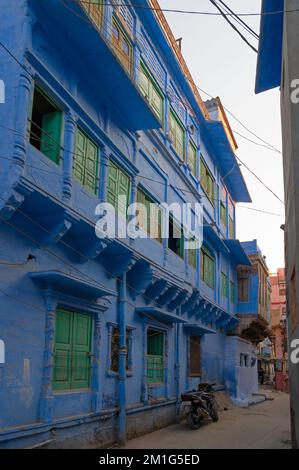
x=278 y=323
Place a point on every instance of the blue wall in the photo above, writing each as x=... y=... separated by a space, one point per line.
x=48 y=215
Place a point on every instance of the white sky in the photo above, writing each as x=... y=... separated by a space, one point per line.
x=223 y=65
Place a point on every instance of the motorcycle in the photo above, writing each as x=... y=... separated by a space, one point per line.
x=200 y=405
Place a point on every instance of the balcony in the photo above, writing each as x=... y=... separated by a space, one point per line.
x=102 y=57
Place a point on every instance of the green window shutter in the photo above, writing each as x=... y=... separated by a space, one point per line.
x=51 y=135
x=91 y=167
x=172 y=127
x=118 y=185
x=224 y=285
x=192 y=257
x=207 y=268
x=157 y=102
x=155 y=356
x=123 y=190
x=62 y=351
x=80 y=377
x=223 y=213
x=112 y=185
x=192 y=158
x=144 y=84
x=85 y=164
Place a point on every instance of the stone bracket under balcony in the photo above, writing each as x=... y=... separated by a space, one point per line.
x=56 y=227
x=139 y=278
x=155 y=290
x=117 y=259
x=167 y=296
x=182 y=297
x=12 y=200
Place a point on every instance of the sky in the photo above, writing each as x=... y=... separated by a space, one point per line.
x=223 y=65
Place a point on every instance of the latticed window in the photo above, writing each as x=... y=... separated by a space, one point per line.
x=94 y=9
x=223 y=213
x=155 y=356
x=122 y=45
x=243 y=289
x=72 y=351
x=194 y=356
x=85 y=163
x=115 y=349
x=207 y=267
x=192 y=158
x=224 y=285
x=150 y=219
x=151 y=92
x=177 y=134
x=192 y=251
x=118 y=185
x=207 y=181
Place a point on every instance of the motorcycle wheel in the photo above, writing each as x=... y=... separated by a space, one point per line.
x=213 y=412
x=193 y=420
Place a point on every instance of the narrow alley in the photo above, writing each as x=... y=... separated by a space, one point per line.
x=262 y=426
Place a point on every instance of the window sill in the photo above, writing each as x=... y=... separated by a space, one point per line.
x=71 y=391
x=112 y=374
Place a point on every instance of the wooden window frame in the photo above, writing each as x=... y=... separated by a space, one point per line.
x=194 y=169
x=241 y=290
x=144 y=198
x=85 y=169
x=71 y=346
x=119 y=174
x=152 y=356
x=149 y=93
x=126 y=61
x=174 y=134
x=206 y=255
x=224 y=285
x=55 y=143
x=207 y=180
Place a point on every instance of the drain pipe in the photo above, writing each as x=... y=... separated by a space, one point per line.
x=177 y=371
x=122 y=359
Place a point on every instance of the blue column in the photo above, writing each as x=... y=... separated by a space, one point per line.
x=122 y=360
x=104 y=164
x=144 y=397
x=68 y=154
x=46 y=402
x=20 y=138
x=96 y=400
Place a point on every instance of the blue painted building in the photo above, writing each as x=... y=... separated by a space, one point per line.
x=98 y=337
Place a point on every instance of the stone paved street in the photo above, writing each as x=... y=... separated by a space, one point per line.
x=262 y=426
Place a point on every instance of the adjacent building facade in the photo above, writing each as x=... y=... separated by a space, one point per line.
x=99 y=337
x=278 y=324
x=278 y=67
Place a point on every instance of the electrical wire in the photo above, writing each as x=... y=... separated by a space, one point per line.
x=239 y=20
x=233 y=26
x=251 y=171
x=189 y=12
x=88 y=21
